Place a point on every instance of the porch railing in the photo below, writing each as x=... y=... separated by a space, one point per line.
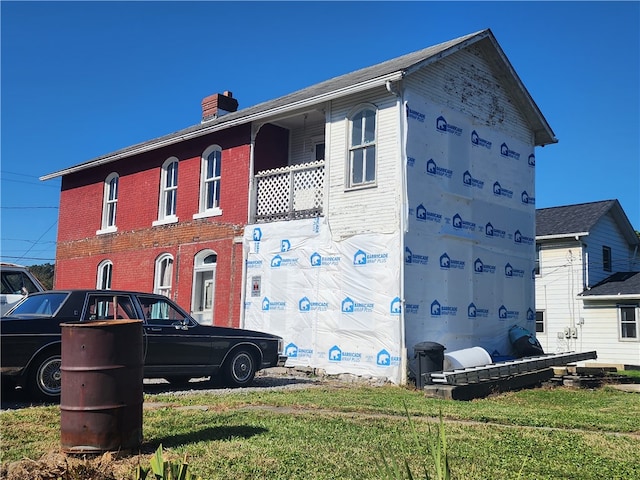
x=290 y=193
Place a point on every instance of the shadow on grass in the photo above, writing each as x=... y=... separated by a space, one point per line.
x=210 y=434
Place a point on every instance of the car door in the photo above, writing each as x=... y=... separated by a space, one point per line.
x=173 y=343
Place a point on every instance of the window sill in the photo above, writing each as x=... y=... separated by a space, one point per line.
x=165 y=221
x=106 y=230
x=214 y=212
x=361 y=187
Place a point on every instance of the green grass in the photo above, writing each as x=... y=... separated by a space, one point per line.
x=326 y=433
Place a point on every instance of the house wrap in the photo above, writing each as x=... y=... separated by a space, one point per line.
x=355 y=218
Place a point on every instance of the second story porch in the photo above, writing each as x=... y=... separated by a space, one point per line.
x=289 y=169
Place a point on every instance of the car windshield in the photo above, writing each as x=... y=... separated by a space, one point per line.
x=44 y=305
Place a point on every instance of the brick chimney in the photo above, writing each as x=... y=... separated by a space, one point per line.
x=215 y=106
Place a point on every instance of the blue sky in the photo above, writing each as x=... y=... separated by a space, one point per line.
x=83 y=79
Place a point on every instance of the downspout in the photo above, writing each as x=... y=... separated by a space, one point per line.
x=393 y=89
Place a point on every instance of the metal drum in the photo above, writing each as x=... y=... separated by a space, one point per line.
x=101 y=398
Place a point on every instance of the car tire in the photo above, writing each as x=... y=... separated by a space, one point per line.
x=45 y=377
x=240 y=368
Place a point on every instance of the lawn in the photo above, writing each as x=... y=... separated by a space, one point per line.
x=337 y=431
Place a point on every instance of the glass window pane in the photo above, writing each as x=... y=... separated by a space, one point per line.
x=356 y=130
x=210 y=194
x=371 y=164
x=356 y=167
x=218 y=161
x=369 y=126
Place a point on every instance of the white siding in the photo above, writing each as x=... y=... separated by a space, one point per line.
x=368 y=210
x=302 y=143
x=464 y=81
x=606 y=233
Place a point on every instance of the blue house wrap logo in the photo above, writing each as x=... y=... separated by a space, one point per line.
x=257 y=234
x=444 y=127
x=411 y=258
x=500 y=191
x=361 y=258
x=350 y=306
x=527 y=199
x=269 y=305
x=337 y=355
x=505 y=314
x=447 y=263
x=469 y=181
x=434 y=170
x=395 y=308
x=318 y=260
x=511 y=272
x=254 y=263
x=277 y=261
x=460 y=224
x=383 y=358
x=306 y=305
x=293 y=351
x=423 y=215
x=475 y=312
x=411 y=162
x=480 y=267
x=411 y=308
x=505 y=151
x=415 y=115
x=491 y=231
x=531 y=161
x=479 y=142
x=530 y=315
x=522 y=239
x=347 y=305
x=439 y=310
x=285 y=245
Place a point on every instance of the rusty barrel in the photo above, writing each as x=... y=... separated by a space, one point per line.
x=102 y=395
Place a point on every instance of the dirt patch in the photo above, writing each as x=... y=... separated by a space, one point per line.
x=56 y=465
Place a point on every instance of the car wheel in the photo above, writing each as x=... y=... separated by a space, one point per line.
x=45 y=379
x=240 y=368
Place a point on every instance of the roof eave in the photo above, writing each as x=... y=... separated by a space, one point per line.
x=206 y=129
x=559 y=236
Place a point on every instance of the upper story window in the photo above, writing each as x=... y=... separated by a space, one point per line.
x=168 y=192
x=362 y=147
x=109 y=204
x=628 y=322
x=540 y=321
x=105 y=272
x=606 y=259
x=163 y=275
x=210 y=182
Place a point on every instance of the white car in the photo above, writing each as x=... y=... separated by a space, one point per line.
x=16 y=283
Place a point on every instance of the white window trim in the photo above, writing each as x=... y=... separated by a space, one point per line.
x=158 y=286
x=348 y=175
x=105 y=228
x=101 y=266
x=637 y=322
x=162 y=218
x=204 y=212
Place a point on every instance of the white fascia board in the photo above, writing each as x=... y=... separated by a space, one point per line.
x=562 y=235
x=351 y=89
x=629 y=296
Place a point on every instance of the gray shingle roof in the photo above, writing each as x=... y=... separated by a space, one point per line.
x=571 y=219
x=322 y=91
x=621 y=283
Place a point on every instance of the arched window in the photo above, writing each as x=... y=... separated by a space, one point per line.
x=105 y=272
x=362 y=147
x=168 y=191
x=210 y=179
x=164 y=275
x=109 y=204
x=203 y=295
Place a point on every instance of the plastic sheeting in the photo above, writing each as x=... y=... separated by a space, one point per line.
x=468 y=258
x=336 y=304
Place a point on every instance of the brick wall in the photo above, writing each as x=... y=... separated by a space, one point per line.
x=135 y=246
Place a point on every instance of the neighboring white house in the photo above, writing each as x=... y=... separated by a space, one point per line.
x=587 y=282
x=427 y=201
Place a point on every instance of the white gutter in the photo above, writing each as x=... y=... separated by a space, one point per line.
x=573 y=236
x=375 y=82
x=628 y=296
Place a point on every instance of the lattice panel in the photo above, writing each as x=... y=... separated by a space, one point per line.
x=276 y=187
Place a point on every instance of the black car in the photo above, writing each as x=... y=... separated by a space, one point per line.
x=177 y=347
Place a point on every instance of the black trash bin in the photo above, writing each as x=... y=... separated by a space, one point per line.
x=430 y=357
